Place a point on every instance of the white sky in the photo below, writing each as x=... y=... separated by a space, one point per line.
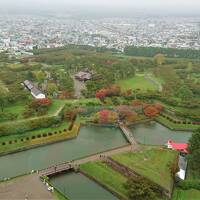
x=142 y=3
x=162 y=5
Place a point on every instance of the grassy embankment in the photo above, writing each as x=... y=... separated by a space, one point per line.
x=174 y=126
x=153 y=164
x=38 y=137
x=191 y=194
x=107 y=176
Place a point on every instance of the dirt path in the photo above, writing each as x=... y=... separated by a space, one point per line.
x=27 y=187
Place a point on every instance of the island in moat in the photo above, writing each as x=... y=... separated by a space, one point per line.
x=79 y=117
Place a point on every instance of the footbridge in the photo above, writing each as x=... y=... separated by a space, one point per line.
x=129 y=136
x=74 y=164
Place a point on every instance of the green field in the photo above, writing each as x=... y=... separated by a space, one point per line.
x=186 y=194
x=137 y=82
x=107 y=176
x=19 y=108
x=152 y=164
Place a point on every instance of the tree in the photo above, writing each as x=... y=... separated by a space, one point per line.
x=101 y=94
x=184 y=93
x=51 y=88
x=159 y=59
x=194 y=150
x=140 y=188
x=126 y=113
x=151 y=111
x=106 y=117
x=4 y=94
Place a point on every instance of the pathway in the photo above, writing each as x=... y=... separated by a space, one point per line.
x=78 y=87
x=29 y=187
x=52 y=170
x=155 y=82
x=128 y=134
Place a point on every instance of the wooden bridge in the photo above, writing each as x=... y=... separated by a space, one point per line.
x=56 y=169
x=129 y=136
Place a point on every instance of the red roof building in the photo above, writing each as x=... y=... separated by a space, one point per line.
x=177 y=146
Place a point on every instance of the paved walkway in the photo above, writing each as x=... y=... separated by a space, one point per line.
x=26 y=187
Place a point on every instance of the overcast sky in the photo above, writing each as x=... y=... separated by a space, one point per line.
x=184 y=6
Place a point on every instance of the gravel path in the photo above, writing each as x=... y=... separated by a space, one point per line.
x=26 y=187
x=78 y=87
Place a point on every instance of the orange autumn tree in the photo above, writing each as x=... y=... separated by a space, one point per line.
x=108 y=92
x=152 y=110
x=127 y=113
x=106 y=117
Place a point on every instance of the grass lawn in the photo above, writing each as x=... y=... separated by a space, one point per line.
x=20 y=108
x=55 y=106
x=15 y=109
x=26 y=143
x=137 y=82
x=107 y=176
x=152 y=164
x=191 y=194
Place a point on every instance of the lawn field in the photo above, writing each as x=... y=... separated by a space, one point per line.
x=18 y=109
x=152 y=164
x=186 y=194
x=107 y=176
x=137 y=82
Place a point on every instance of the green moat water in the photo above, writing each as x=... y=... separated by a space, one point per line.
x=157 y=134
x=78 y=187
x=90 y=140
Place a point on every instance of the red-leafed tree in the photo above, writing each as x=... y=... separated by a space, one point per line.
x=136 y=103
x=106 y=116
x=151 y=111
x=45 y=102
x=158 y=106
x=101 y=94
x=108 y=92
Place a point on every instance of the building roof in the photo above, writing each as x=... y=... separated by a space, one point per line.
x=178 y=146
x=35 y=91
x=28 y=84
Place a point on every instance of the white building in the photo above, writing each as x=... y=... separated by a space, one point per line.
x=34 y=90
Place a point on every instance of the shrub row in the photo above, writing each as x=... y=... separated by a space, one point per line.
x=33 y=137
x=178 y=122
